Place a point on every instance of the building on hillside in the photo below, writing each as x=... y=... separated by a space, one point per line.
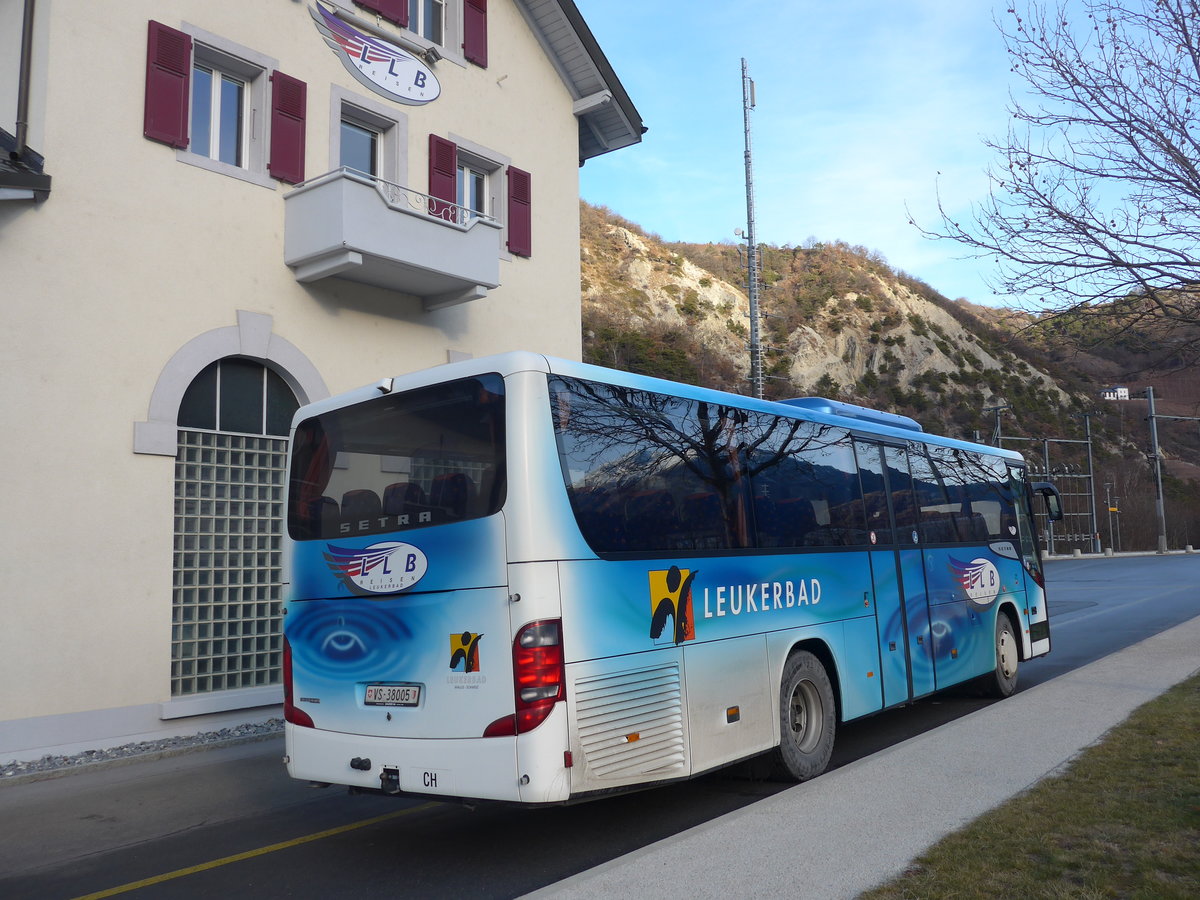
x=1115 y=392
x=212 y=211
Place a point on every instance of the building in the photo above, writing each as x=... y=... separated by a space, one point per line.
x=211 y=212
x=1115 y=392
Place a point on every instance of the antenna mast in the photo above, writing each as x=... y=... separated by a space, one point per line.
x=752 y=257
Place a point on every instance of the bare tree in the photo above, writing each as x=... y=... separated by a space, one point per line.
x=1095 y=201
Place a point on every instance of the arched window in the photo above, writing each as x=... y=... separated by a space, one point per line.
x=229 y=487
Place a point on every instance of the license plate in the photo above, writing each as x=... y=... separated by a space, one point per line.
x=393 y=694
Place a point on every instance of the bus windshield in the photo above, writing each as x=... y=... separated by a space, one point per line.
x=425 y=457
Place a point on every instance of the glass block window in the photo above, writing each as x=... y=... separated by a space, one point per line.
x=229 y=495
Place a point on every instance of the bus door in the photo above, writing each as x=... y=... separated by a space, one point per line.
x=898 y=572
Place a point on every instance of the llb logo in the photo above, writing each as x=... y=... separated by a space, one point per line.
x=671 y=598
x=378 y=64
x=382 y=568
x=979 y=579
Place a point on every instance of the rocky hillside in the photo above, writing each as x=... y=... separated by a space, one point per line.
x=841 y=324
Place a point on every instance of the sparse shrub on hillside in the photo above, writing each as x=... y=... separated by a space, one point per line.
x=827 y=387
x=691 y=307
x=664 y=353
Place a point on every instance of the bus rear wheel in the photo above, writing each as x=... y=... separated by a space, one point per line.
x=1003 y=680
x=807 y=718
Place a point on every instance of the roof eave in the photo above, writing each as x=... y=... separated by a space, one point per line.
x=608 y=120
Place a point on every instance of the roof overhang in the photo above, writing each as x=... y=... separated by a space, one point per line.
x=608 y=120
x=21 y=175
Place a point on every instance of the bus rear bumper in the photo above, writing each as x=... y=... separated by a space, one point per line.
x=468 y=768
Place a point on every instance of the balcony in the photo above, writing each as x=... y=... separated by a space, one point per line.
x=349 y=225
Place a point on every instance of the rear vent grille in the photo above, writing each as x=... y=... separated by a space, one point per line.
x=631 y=723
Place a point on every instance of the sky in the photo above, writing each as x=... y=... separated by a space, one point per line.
x=867 y=111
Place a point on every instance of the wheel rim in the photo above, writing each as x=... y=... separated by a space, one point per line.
x=1006 y=653
x=805 y=716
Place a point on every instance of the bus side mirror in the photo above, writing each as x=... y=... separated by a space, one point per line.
x=1054 y=510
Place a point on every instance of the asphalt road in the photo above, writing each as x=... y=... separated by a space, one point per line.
x=230 y=822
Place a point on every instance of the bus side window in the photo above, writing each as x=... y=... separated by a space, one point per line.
x=651 y=520
x=705 y=522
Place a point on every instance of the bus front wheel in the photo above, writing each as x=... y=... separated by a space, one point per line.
x=807 y=718
x=1003 y=681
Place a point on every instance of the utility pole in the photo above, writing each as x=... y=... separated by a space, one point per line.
x=752 y=274
x=996 y=430
x=1108 y=503
x=1159 y=509
x=1087 y=428
x=1153 y=419
x=1049 y=521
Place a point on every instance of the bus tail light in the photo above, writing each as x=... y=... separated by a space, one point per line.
x=539 y=678
x=290 y=713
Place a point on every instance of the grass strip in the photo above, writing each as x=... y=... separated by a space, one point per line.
x=1123 y=820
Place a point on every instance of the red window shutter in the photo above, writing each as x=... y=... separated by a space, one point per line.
x=392 y=10
x=168 y=84
x=443 y=177
x=289 y=104
x=520 y=213
x=475 y=43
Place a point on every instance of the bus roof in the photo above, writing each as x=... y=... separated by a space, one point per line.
x=858 y=419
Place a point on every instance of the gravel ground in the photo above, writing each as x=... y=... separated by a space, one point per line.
x=53 y=766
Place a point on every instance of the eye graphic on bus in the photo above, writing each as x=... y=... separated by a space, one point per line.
x=344 y=645
x=464 y=650
x=671 y=598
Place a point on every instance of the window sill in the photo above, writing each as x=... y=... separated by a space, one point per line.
x=261 y=179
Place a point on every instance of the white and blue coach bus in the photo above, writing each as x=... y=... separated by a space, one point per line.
x=531 y=580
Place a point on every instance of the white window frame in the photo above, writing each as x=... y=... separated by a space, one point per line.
x=468 y=167
x=374 y=166
x=418 y=25
x=252 y=68
x=390 y=124
x=492 y=165
x=216 y=116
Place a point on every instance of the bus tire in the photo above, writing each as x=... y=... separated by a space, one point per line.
x=1003 y=680
x=807 y=718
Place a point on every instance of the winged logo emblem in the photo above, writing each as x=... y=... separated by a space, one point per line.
x=979 y=579
x=379 y=569
x=378 y=64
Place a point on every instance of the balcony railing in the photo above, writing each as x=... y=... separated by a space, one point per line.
x=406 y=200
x=357 y=227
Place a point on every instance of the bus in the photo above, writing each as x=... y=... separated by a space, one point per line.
x=536 y=581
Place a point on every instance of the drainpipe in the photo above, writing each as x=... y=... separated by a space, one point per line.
x=22 y=134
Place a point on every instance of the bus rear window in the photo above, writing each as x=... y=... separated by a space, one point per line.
x=425 y=457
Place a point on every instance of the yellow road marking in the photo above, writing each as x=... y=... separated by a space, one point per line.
x=250 y=854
